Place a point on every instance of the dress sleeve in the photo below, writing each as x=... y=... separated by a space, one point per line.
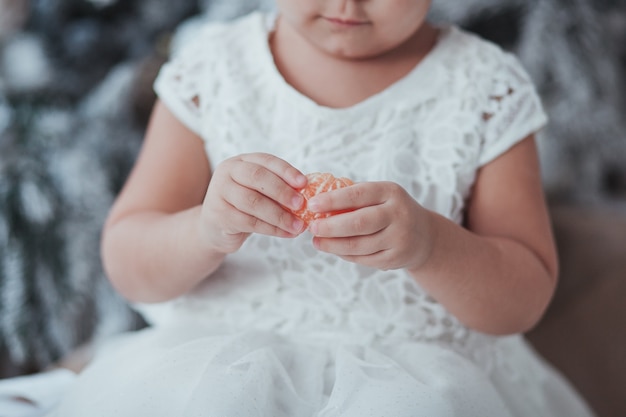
x=513 y=109
x=180 y=84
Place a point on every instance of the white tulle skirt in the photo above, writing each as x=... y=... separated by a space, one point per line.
x=186 y=371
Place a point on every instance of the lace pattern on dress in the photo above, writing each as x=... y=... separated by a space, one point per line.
x=184 y=82
x=512 y=110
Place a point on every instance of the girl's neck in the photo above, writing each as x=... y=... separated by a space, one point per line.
x=337 y=82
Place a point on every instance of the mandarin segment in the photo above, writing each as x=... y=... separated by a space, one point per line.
x=319 y=182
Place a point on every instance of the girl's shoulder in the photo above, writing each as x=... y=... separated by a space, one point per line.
x=491 y=72
x=496 y=81
x=476 y=55
x=206 y=56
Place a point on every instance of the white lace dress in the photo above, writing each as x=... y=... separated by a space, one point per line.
x=282 y=330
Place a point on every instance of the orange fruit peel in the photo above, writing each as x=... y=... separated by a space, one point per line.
x=319 y=182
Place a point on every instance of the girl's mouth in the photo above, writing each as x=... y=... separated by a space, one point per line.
x=346 y=22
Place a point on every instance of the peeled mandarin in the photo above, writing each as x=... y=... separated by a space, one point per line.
x=319 y=182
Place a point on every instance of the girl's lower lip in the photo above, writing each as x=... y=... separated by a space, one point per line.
x=343 y=22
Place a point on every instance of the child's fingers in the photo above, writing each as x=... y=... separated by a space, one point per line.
x=362 y=222
x=260 y=227
x=260 y=207
x=265 y=181
x=288 y=173
x=358 y=195
x=242 y=222
x=379 y=260
x=351 y=246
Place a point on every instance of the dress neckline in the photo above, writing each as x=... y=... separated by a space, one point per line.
x=400 y=87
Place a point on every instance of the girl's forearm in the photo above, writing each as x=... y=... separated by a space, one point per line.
x=153 y=257
x=492 y=284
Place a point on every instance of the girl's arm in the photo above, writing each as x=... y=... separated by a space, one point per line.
x=151 y=246
x=175 y=220
x=497 y=275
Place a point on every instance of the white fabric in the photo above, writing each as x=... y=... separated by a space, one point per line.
x=33 y=395
x=283 y=330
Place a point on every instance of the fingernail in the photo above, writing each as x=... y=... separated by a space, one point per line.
x=313 y=205
x=297 y=225
x=313 y=228
x=297 y=201
x=301 y=180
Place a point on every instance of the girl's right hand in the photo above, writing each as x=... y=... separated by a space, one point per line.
x=251 y=193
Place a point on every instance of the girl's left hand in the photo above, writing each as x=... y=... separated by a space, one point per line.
x=386 y=229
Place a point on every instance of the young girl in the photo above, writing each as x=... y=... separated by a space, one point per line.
x=409 y=303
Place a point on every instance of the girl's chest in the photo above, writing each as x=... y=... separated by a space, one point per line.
x=431 y=132
x=428 y=147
